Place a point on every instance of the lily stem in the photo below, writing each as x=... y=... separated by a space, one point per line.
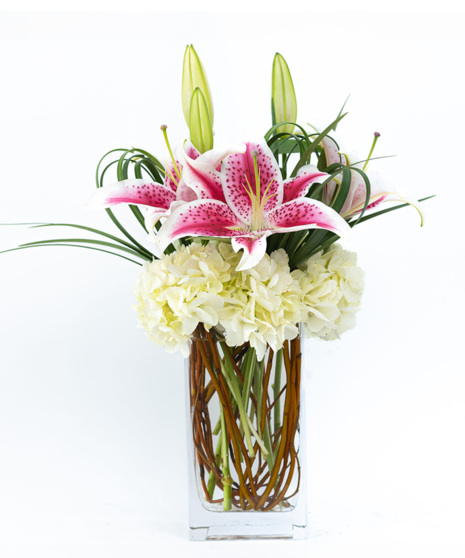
x=227 y=480
x=277 y=389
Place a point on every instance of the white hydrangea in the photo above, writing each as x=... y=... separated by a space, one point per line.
x=177 y=292
x=262 y=306
x=332 y=287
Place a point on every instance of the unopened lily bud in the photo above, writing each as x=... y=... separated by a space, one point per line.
x=200 y=126
x=193 y=77
x=283 y=99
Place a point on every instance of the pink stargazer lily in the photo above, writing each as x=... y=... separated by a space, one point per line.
x=248 y=201
x=380 y=189
x=159 y=199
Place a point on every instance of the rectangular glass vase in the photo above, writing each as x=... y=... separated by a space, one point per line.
x=270 y=443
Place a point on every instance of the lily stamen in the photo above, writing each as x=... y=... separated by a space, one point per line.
x=377 y=135
x=250 y=192
x=173 y=160
x=170 y=175
x=258 y=200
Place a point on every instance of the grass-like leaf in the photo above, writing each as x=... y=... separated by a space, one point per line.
x=312 y=243
x=72 y=246
x=316 y=142
x=87 y=241
x=342 y=108
x=273 y=129
x=342 y=190
x=378 y=213
x=368 y=187
x=96 y=231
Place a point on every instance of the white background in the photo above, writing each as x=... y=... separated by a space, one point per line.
x=92 y=431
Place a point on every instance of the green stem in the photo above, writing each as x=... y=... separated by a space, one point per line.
x=257 y=390
x=267 y=440
x=233 y=383
x=277 y=389
x=227 y=488
x=249 y=366
x=211 y=479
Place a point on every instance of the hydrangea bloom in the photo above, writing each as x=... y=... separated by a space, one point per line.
x=177 y=292
x=332 y=287
x=262 y=305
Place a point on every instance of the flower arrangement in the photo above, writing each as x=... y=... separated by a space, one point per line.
x=243 y=258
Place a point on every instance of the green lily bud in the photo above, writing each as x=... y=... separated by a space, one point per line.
x=199 y=122
x=193 y=76
x=283 y=100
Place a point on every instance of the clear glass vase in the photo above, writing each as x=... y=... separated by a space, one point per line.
x=246 y=441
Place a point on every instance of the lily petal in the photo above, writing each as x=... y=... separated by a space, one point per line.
x=356 y=181
x=152 y=218
x=381 y=191
x=190 y=150
x=215 y=156
x=304 y=213
x=137 y=191
x=238 y=168
x=254 y=250
x=297 y=187
x=184 y=193
x=379 y=188
x=202 y=178
x=200 y=218
x=331 y=145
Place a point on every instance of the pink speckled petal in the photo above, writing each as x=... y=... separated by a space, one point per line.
x=254 y=250
x=135 y=192
x=215 y=156
x=305 y=213
x=379 y=190
x=153 y=216
x=184 y=193
x=200 y=218
x=202 y=178
x=297 y=187
x=190 y=150
x=238 y=166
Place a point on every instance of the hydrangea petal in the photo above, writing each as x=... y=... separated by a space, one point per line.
x=305 y=213
x=298 y=186
x=238 y=168
x=135 y=192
